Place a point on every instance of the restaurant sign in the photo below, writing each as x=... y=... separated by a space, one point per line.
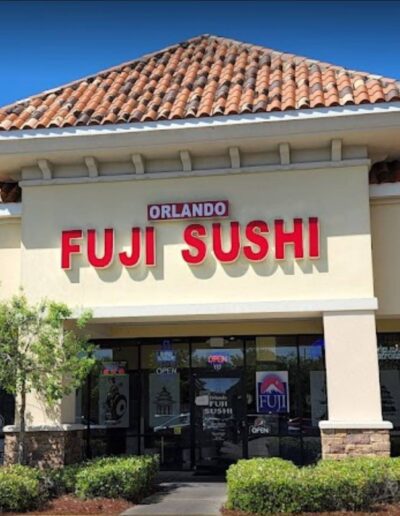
x=255 y=240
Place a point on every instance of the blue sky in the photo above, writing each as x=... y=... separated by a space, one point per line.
x=46 y=44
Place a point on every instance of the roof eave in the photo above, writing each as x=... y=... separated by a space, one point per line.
x=16 y=147
x=306 y=119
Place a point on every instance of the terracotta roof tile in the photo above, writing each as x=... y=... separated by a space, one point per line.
x=202 y=77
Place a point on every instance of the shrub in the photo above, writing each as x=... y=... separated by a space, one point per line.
x=131 y=478
x=380 y=475
x=60 y=481
x=266 y=486
x=263 y=485
x=20 y=489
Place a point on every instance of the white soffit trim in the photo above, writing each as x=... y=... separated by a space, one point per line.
x=233 y=310
x=10 y=210
x=321 y=114
x=384 y=191
x=355 y=425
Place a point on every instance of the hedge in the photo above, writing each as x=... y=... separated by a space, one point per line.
x=23 y=488
x=131 y=478
x=20 y=489
x=61 y=481
x=266 y=486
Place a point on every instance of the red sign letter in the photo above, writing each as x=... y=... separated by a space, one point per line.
x=313 y=237
x=233 y=253
x=67 y=248
x=191 y=236
x=133 y=258
x=294 y=237
x=105 y=260
x=253 y=230
x=150 y=237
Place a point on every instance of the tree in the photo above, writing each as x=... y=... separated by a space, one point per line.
x=38 y=354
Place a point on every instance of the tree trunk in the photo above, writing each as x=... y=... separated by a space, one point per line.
x=21 y=439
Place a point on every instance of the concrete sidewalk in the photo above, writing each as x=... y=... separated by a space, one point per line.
x=191 y=498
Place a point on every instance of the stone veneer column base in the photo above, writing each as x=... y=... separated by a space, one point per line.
x=340 y=443
x=46 y=448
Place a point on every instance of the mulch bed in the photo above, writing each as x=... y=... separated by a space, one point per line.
x=385 y=510
x=70 y=505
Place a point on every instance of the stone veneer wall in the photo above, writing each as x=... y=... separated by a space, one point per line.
x=341 y=443
x=46 y=448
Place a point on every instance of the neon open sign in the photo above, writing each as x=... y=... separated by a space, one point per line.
x=217 y=360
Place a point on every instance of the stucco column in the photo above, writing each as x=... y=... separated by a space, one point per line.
x=355 y=425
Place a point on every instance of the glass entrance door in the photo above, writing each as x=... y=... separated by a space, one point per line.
x=165 y=403
x=218 y=411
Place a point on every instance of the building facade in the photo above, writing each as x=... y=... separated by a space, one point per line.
x=229 y=214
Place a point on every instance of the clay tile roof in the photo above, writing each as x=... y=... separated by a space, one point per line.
x=203 y=77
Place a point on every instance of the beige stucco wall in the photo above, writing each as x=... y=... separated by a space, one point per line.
x=339 y=197
x=385 y=228
x=10 y=257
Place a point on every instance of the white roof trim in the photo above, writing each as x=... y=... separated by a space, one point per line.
x=206 y=122
x=384 y=190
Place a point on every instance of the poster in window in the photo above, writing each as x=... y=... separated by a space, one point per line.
x=114 y=395
x=164 y=400
x=390 y=395
x=272 y=392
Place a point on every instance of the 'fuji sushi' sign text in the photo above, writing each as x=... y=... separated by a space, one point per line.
x=254 y=241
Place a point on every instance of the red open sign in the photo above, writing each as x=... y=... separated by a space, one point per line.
x=217 y=359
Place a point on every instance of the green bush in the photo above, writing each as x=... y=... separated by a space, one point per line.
x=20 y=489
x=60 y=481
x=263 y=485
x=131 y=478
x=381 y=475
x=266 y=486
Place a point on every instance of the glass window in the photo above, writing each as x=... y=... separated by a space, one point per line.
x=203 y=402
x=165 y=353
x=128 y=354
x=312 y=377
x=109 y=399
x=389 y=372
x=217 y=353
x=389 y=366
x=286 y=395
x=271 y=382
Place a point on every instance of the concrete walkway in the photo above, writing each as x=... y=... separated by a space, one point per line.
x=190 y=497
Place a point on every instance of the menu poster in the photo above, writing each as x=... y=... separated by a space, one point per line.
x=164 y=400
